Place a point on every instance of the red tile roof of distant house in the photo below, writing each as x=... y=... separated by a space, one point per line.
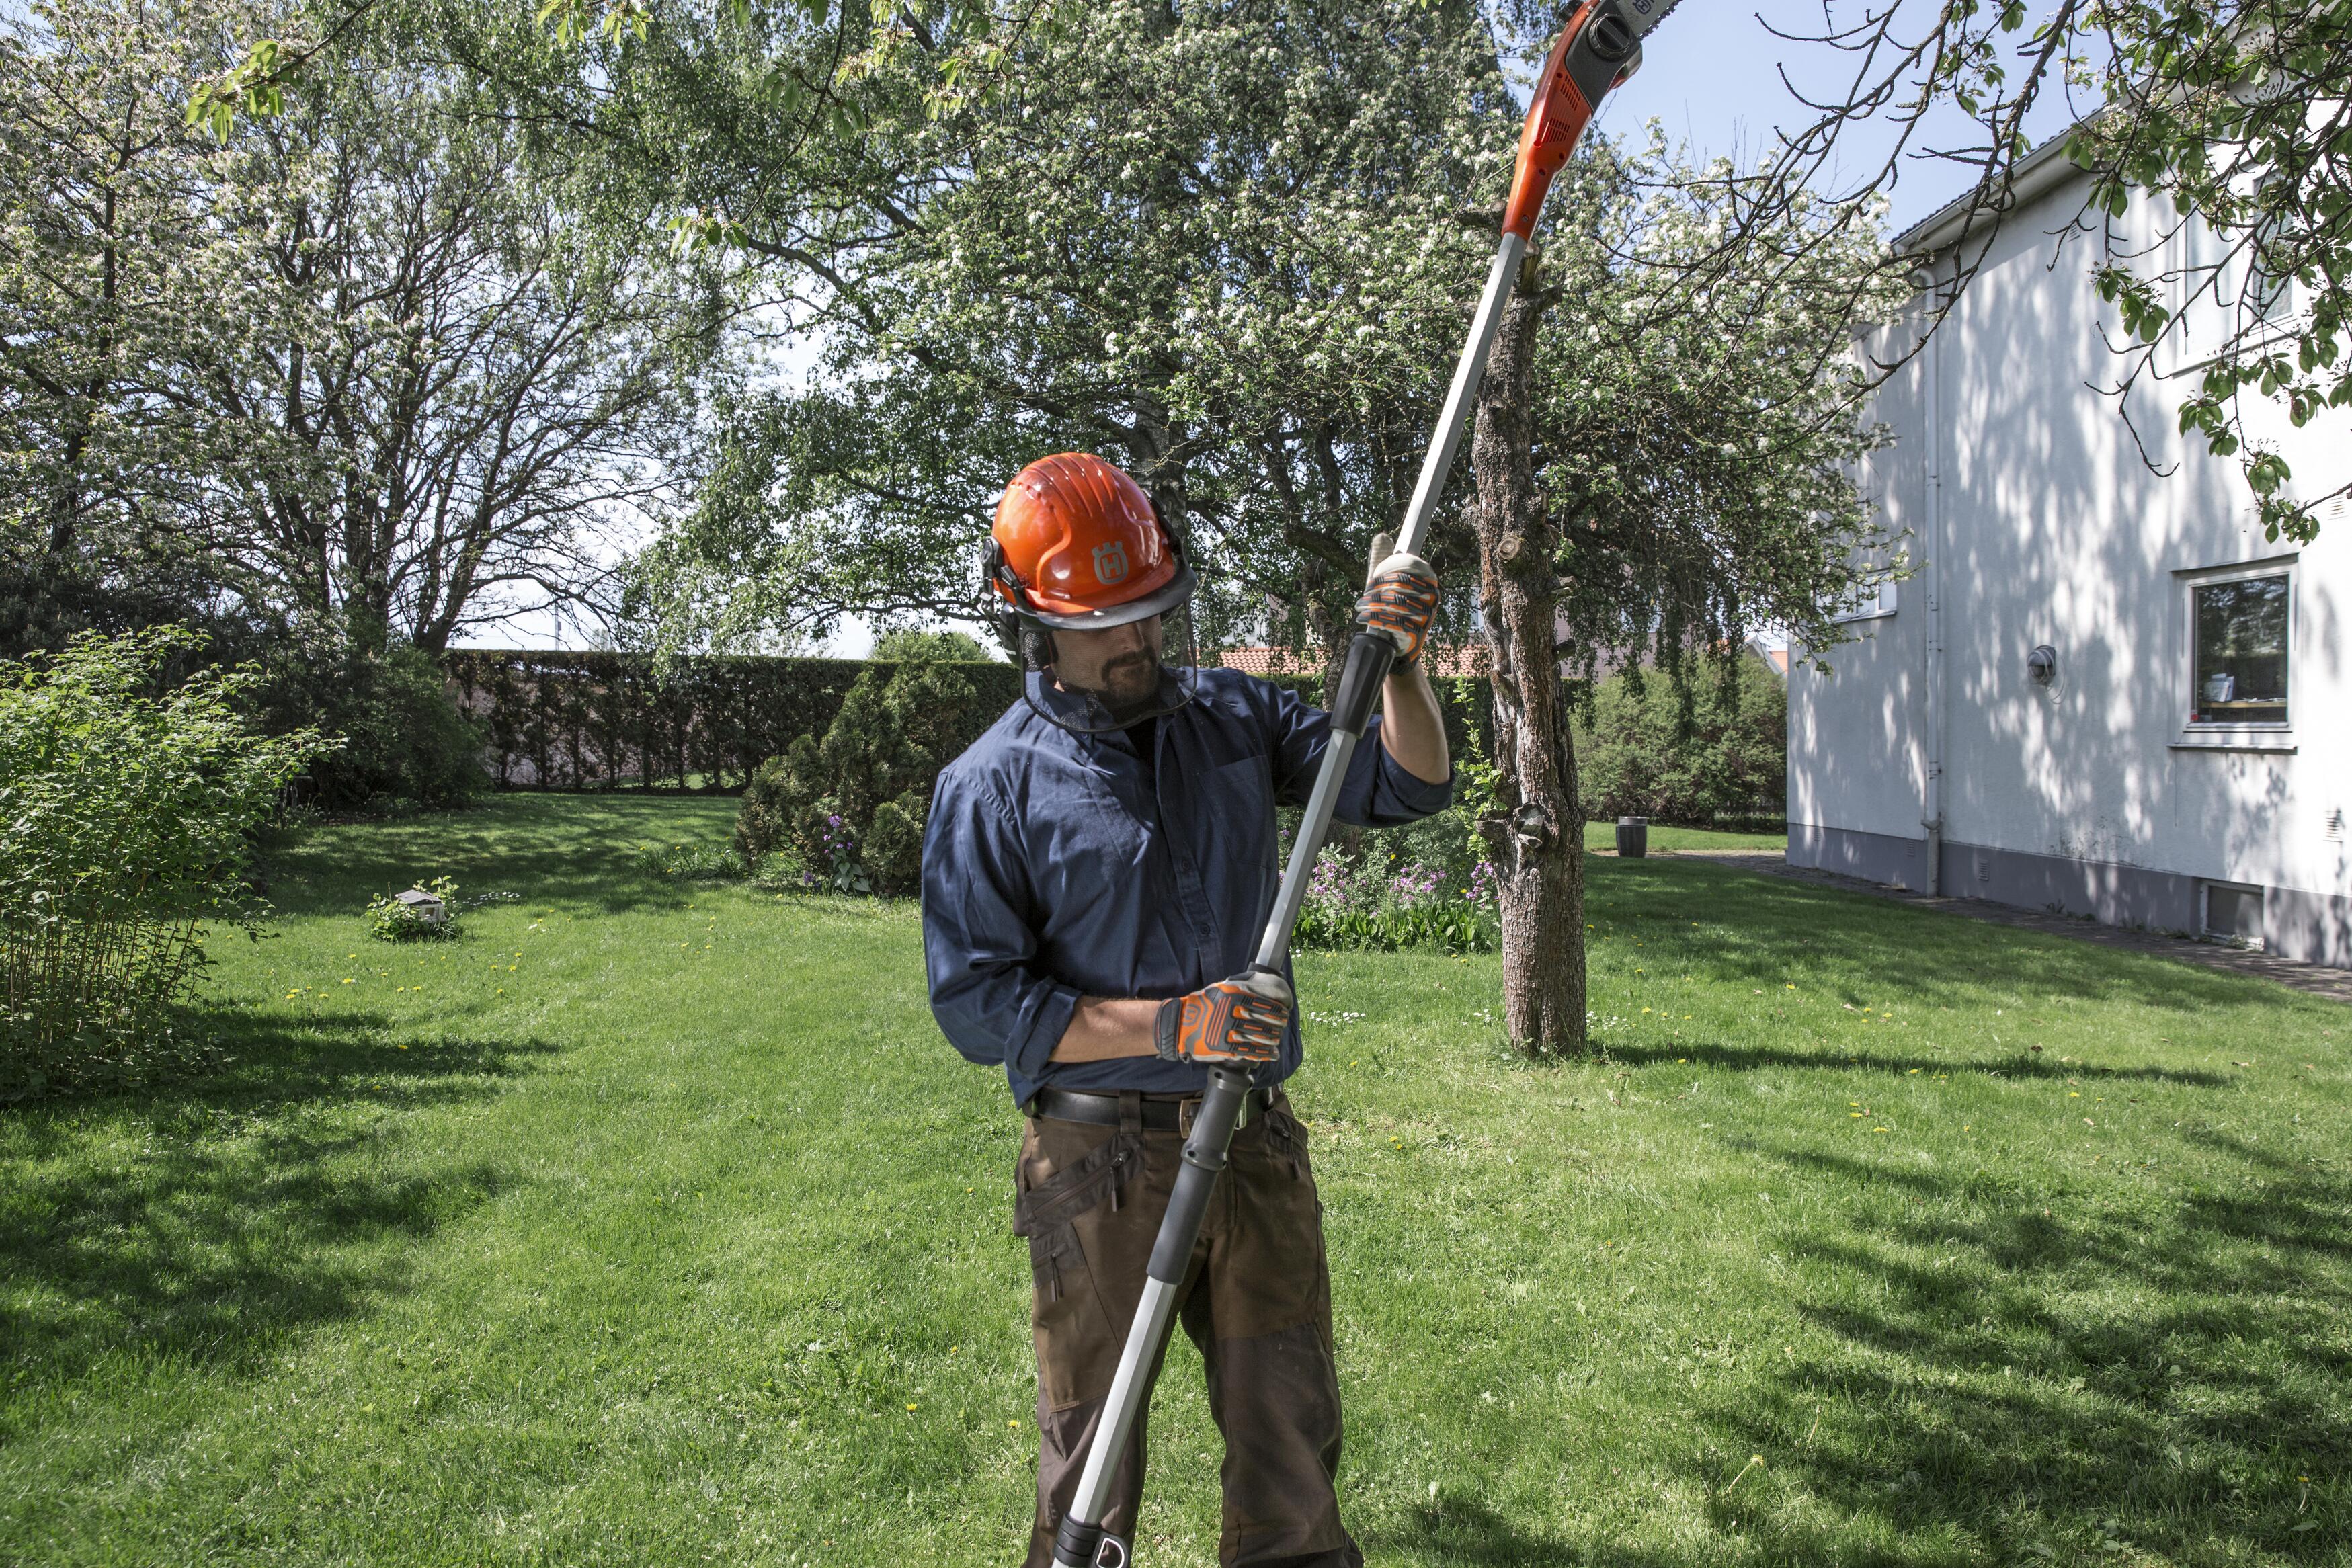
x=1264 y=659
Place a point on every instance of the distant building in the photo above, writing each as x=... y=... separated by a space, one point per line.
x=1264 y=659
x=2102 y=691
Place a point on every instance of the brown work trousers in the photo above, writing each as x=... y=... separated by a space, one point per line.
x=1256 y=1301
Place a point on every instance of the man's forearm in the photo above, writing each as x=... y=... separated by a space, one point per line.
x=1412 y=730
x=1103 y=1028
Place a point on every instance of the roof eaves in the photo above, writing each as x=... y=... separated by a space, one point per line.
x=2039 y=171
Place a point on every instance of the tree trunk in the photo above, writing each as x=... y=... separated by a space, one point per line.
x=1537 y=839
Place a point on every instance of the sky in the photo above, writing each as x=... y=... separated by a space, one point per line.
x=1712 y=74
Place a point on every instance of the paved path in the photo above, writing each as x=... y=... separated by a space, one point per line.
x=2336 y=985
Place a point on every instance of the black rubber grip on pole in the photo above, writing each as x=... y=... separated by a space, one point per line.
x=1196 y=1178
x=1075 y=1545
x=1368 y=657
x=1182 y=1227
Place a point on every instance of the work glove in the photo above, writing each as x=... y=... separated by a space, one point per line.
x=1399 y=602
x=1240 y=1019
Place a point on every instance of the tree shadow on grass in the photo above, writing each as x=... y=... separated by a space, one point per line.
x=1462 y=1529
x=205 y=1221
x=2021 y=1375
x=1464 y=1532
x=552 y=851
x=1748 y=1059
x=1757 y=930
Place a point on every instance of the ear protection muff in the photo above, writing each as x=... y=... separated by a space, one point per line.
x=1023 y=638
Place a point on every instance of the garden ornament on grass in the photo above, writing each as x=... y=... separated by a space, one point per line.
x=423 y=907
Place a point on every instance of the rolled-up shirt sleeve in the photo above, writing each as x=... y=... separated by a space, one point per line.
x=992 y=1000
x=1379 y=791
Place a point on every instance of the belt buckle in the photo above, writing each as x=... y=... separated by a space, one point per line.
x=1188 y=1111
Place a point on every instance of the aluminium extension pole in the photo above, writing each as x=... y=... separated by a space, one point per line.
x=1598 y=49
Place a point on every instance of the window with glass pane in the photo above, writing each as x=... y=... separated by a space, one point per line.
x=2240 y=652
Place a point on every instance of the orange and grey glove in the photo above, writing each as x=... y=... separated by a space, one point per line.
x=1399 y=602
x=1240 y=1019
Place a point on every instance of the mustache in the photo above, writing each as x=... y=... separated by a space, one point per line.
x=1138 y=659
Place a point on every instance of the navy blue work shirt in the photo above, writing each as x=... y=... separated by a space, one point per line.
x=1058 y=866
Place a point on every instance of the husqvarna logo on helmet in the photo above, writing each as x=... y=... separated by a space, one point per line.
x=1110 y=564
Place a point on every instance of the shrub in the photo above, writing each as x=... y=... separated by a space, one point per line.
x=854 y=804
x=691 y=862
x=894 y=840
x=404 y=740
x=1379 y=904
x=929 y=647
x=126 y=811
x=1644 y=755
x=392 y=921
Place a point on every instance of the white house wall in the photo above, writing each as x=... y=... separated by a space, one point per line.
x=2076 y=795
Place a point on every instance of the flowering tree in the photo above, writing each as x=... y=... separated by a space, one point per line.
x=1215 y=245
x=348 y=364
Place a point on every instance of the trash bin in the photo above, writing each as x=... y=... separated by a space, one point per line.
x=1633 y=837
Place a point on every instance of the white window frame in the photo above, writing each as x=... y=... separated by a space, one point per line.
x=2209 y=316
x=1876 y=604
x=2264 y=737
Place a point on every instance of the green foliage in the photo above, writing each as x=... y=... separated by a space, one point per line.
x=1455 y=926
x=1217 y=244
x=692 y=861
x=924 y=647
x=126 y=811
x=894 y=840
x=854 y=804
x=388 y=920
x=2228 y=120
x=1713 y=743
x=360 y=362
x=1698 y=447
x=587 y=721
x=1379 y=902
x=403 y=738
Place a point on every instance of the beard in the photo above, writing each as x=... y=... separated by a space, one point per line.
x=1130 y=681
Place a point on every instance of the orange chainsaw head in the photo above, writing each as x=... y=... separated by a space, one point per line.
x=1079 y=547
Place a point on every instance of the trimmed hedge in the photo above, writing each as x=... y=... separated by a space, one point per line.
x=602 y=721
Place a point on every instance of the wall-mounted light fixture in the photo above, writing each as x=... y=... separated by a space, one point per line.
x=2042 y=664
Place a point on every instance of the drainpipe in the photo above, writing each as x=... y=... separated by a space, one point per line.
x=1931 y=808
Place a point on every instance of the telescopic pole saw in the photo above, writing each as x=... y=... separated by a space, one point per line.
x=1598 y=49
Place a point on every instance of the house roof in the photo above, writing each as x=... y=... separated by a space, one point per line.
x=2039 y=171
x=1265 y=659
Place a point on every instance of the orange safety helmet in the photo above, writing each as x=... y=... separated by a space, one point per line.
x=1078 y=545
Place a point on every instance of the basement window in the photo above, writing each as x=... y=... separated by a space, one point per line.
x=2234 y=913
x=2238 y=628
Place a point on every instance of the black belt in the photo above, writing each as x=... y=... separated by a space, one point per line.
x=1161 y=1114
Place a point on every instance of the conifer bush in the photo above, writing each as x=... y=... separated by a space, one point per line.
x=127 y=810
x=853 y=806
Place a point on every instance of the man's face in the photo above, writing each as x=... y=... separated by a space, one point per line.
x=1119 y=664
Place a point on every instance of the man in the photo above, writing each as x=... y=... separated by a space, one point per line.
x=1096 y=872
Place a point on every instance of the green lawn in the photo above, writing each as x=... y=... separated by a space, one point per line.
x=1603 y=835
x=650 y=1224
